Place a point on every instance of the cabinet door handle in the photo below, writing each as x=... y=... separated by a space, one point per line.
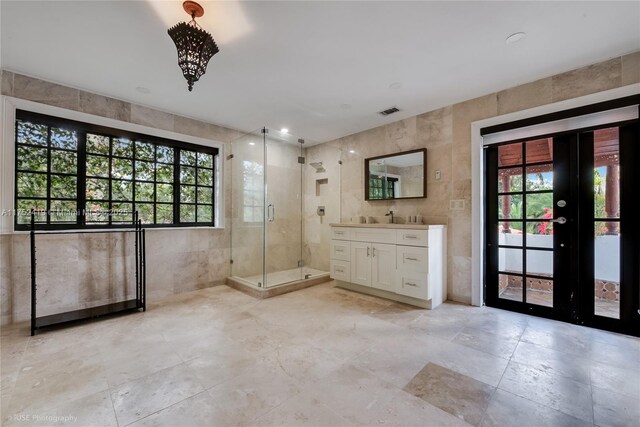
x=411 y=259
x=339 y=232
x=410 y=236
x=374 y=252
x=339 y=270
x=411 y=284
x=368 y=250
x=339 y=250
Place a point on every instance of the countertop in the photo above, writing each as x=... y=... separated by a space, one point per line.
x=397 y=226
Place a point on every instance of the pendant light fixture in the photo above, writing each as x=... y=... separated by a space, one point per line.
x=195 y=45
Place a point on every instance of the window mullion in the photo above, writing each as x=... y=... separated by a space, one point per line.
x=133 y=177
x=195 y=216
x=110 y=175
x=48 y=204
x=155 y=183
x=176 y=186
x=81 y=168
x=213 y=190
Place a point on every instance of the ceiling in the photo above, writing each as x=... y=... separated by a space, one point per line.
x=321 y=69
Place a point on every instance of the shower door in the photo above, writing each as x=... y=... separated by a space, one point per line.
x=283 y=213
x=248 y=208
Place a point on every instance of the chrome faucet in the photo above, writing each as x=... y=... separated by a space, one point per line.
x=390 y=213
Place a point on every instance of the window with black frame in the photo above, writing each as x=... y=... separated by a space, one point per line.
x=88 y=175
x=381 y=187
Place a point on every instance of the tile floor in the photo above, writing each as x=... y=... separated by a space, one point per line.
x=321 y=356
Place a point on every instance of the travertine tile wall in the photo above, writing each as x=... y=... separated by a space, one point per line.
x=446 y=133
x=76 y=271
x=181 y=260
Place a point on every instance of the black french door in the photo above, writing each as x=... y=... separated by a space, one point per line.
x=562 y=239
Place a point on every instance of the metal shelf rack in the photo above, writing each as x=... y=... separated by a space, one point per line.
x=140 y=301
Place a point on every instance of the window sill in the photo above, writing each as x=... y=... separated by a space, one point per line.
x=99 y=230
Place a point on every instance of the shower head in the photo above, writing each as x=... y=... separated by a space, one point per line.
x=318 y=167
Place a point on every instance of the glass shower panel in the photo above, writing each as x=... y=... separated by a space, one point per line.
x=248 y=208
x=322 y=174
x=283 y=250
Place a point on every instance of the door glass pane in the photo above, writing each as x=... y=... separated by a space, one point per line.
x=510 y=154
x=606 y=183
x=540 y=150
x=540 y=205
x=540 y=177
x=540 y=263
x=510 y=233
x=510 y=287
x=606 y=173
x=509 y=180
x=540 y=234
x=540 y=289
x=284 y=205
x=607 y=269
x=510 y=206
x=247 y=208
x=510 y=260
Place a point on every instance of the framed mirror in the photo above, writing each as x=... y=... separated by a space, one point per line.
x=396 y=176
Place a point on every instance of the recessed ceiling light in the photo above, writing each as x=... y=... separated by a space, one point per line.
x=352 y=151
x=284 y=130
x=396 y=85
x=515 y=38
x=345 y=106
x=252 y=143
x=143 y=89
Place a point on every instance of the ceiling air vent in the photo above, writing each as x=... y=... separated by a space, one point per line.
x=389 y=111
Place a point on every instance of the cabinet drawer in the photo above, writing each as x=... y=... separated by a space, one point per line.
x=340 y=270
x=413 y=259
x=373 y=235
x=412 y=284
x=340 y=250
x=412 y=237
x=341 y=233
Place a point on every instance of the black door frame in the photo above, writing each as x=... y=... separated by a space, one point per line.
x=571 y=303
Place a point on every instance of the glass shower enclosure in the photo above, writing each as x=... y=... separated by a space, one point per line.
x=267 y=209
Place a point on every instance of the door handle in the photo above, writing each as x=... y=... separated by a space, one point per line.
x=374 y=252
x=368 y=250
x=559 y=220
x=271 y=212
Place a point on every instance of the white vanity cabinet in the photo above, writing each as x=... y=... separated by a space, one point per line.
x=399 y=262
x=373 y=264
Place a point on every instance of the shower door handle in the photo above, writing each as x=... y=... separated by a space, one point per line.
x=271 y=212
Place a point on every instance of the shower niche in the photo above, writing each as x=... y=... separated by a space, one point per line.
x=267 y=227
